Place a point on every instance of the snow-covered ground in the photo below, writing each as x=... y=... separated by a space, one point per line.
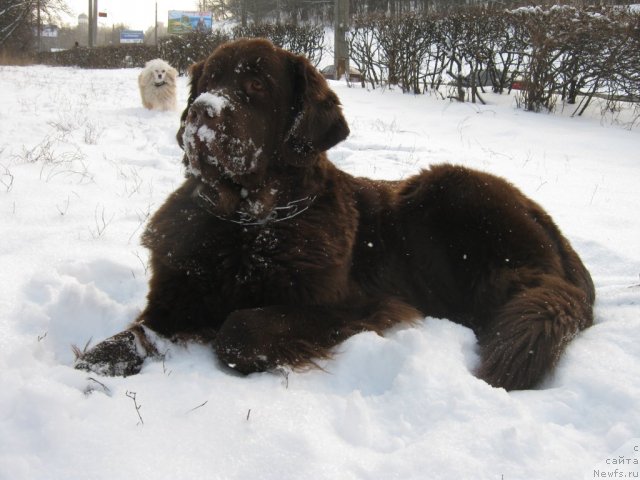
x=82 y=165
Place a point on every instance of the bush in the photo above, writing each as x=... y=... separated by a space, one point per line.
x=557 y=53
x=120 y=56
x=307 y=40
x=183 y=50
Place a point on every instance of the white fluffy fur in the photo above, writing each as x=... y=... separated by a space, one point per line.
x=157 y=83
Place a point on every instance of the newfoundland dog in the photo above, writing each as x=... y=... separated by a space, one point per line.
x=157 y=83
x=272 y=255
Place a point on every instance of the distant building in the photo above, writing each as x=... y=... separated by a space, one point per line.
x=83 y=30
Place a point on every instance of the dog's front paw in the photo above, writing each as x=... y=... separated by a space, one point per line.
x=120 y=355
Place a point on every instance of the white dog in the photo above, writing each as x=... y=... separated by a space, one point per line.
x=157 y=83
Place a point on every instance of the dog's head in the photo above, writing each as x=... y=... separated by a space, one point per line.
x=158 y=73
x=253 y=106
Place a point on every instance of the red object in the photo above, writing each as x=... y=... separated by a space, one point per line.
x=102 y=14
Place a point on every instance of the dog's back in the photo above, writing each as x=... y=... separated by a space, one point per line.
x=478 y=251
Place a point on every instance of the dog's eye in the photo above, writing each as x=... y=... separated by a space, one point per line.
x=254 y=86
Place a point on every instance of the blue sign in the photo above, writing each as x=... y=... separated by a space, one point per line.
x=131 y=36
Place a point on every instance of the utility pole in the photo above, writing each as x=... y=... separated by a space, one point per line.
x=156 y=31
x=340 y=48
x=90 y=39
x=95 y=23
x=39 y=29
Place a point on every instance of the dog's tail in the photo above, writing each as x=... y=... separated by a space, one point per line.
x=526 y=336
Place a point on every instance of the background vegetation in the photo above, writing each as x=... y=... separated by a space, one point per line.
x=551 y=55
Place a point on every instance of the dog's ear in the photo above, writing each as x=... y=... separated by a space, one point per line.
x=318 y=123
x=173 y=74
x=195 y=72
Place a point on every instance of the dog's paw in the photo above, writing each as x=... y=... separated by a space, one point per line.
x=119 y=355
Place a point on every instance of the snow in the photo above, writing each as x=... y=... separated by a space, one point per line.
x=213 y=102
x=83 y=165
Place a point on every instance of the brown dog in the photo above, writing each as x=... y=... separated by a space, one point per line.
x=273 y=255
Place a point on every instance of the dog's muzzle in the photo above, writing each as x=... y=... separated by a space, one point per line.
x=209 y=140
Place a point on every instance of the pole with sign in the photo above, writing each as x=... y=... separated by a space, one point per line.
x=93 y=22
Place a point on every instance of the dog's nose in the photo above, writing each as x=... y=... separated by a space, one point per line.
x=199 y=113
x=209 y=105
x=202 y=114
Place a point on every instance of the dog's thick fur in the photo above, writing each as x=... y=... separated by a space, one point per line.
x=274 y=255
x=157 y=83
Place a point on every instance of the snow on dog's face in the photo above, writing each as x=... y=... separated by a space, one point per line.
x=254 y=107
